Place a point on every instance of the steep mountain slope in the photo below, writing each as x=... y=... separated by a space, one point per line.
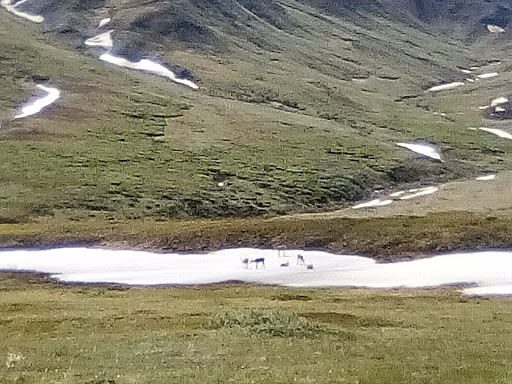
x=300 y=106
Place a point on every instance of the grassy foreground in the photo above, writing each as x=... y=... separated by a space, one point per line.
x=244 y=334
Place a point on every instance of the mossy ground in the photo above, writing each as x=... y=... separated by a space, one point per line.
x=245 y=334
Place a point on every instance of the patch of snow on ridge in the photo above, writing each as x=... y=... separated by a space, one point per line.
x=491 y=272
x=31 y=108
x=419 y=192
x=104 y=22
x=146 y=66
x=423 y=149
x=488 y=75
x=498 y=101
x=445 y=87
x=497 y=132
x=12 y=8
x=486 y=178
x=102 y=40
x=373 y=204
x=495 y=29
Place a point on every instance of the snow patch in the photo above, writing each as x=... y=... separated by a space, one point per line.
x=488 y=75
x=373 y=204
x=491 y=272
x=419 y=192
x=445 y=87
x=102 y=40
x=498 y=101
x=423 y=149
x=495 y=29
x=11 y=6
x=104 y=22
x=31 y=108
x=146 y=66
x=497 y=132
x=486 y=178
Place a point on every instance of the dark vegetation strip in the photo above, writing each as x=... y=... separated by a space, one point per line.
x=381 y=238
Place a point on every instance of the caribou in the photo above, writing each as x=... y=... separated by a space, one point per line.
x=258 y=261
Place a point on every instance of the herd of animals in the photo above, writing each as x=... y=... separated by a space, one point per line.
x=260 y=262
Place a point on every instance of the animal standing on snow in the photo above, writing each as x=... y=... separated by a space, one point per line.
x=300 y=260
x=258 y=261
x=245 y=263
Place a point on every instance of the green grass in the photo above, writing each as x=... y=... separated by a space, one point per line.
x=125 y=146
x=126 y=159
x=74 y=334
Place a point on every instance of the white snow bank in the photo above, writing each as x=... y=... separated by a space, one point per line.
x=497 y=132
x=104 y=22
x=423 y=149
x=488 y=75
x=31 y=108
x=486 y=178
x=373 y=204
x=498 y=101
x=102 y=40
x=395 y=196
x=419 y=192
x=146 y=66
x=12 y=8
x=491 y=272
x=445 y=87
x=495 y=28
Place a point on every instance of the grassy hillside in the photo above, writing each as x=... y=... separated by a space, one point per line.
x=299 y=110
x=72 y=334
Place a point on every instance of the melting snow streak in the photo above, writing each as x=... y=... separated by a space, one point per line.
x=102 y=40
x=12 y=8
x=423 y=149
x=146 y=66
x=373 y=204
x=445 y=87
x=495 y=28
x=498 y=132
x=52 y=95
x=486 y=178
x=104 y=22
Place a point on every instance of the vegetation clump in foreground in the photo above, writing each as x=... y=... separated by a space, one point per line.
x=269 y=322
